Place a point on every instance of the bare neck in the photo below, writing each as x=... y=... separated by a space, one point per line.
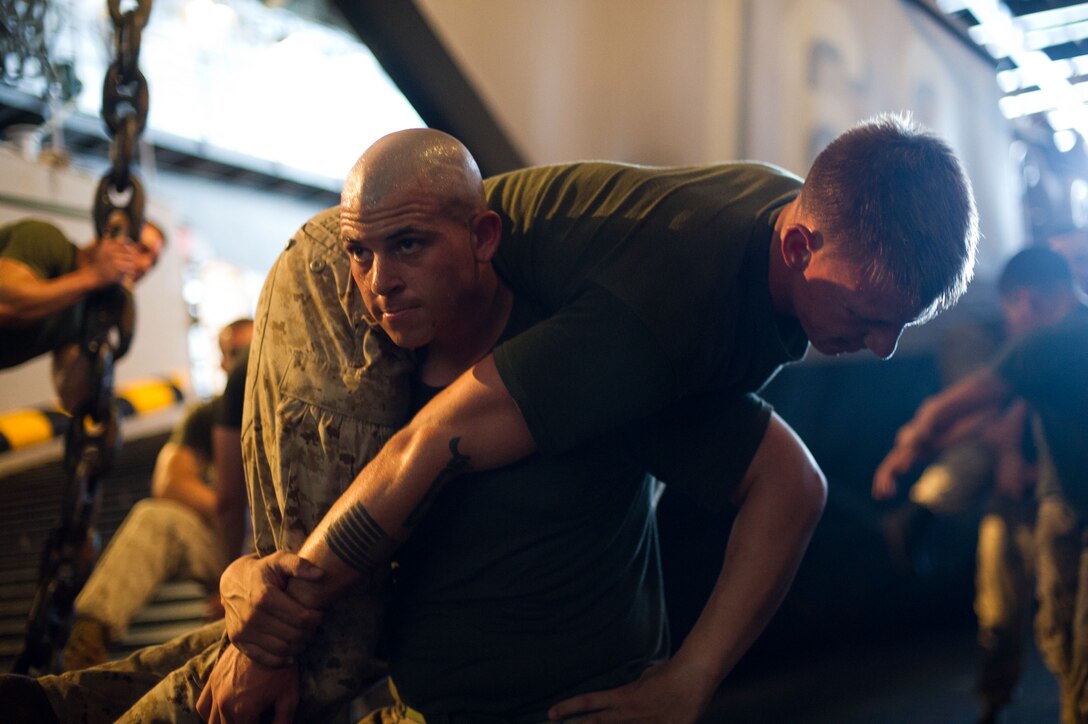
x=482 y=321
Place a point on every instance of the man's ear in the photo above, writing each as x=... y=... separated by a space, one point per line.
x=487 y=232
x=798 y=243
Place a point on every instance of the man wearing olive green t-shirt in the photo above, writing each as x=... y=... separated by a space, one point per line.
x=44 y=278
x=171 y=535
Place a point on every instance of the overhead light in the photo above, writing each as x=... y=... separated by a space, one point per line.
x=1073 y=68
x=207 y=17
x=1065 y=140
x=1009 y=80
x=1005 y=38
x=1053 y=18
x=1060 y=118
x=951 y=6
x=1039 y=39
x=1032 y=102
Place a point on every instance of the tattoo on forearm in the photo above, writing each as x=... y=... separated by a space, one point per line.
x=457 y=465
x=358 y=539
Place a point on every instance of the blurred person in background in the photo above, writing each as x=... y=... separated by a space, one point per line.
x=1045 y=369
x=170 y=536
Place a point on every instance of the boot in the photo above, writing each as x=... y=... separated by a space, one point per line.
x=88 y=644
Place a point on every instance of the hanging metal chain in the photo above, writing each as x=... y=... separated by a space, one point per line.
x=119 y=201
x=93 y=438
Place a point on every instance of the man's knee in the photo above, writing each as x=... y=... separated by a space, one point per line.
x=162 y=513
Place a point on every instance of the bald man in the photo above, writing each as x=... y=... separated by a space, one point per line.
x=724 y=272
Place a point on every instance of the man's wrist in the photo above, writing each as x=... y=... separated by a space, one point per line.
x=288 y=661
x=916 y=436
x=702 y=665
x=312 y=594
x=92 y=277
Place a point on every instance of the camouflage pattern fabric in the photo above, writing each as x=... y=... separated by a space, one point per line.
x=155 y=684
x=1004 y=574
x=1061 y=622
x=325 y=390
x=160 y=540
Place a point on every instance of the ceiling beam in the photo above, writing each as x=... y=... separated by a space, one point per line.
x=957 y=29
x=417 y=62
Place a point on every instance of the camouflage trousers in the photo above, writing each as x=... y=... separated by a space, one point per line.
x=162 y=684
x=159 y=540
x=1004 y=574
x=155 y=684
x=959 y=482
x=1061 y=624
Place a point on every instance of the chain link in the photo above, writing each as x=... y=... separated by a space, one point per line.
x=93 y=439
x=124 y=111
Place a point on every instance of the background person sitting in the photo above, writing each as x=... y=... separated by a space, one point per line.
x=169 y=536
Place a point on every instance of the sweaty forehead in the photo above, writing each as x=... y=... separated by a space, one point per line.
x=390 y=214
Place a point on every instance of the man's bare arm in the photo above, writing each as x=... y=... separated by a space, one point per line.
x=179 y=475
x=473 y=424
x=954 y=413
x=25 y=299
x=230 y=489
x=781 y=499
x=942 y=420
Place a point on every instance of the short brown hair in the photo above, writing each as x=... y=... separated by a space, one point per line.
x=899 y=202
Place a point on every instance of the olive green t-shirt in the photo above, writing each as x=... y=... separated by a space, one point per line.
x=541 y=580
x=642 y=318
x=1046 y=368
x=656 y=280
x=528 y=584
x=49 y=254
x=231 y=403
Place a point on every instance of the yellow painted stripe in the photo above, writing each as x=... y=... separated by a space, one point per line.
x=25 y=427
x=29 y=426
x=149 y=394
